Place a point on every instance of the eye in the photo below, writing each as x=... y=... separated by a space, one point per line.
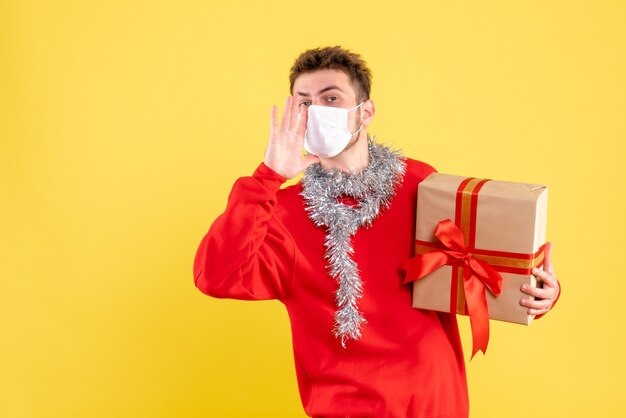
x=305 y=103
x=332 y=99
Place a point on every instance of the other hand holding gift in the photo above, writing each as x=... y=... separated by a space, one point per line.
x=449 y=269
x=546 y=295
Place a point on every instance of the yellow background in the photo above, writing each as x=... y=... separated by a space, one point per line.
x=123 y=125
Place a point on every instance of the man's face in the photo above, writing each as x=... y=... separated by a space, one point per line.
x=332 y=88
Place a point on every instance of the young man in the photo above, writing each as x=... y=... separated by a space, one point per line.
x=330 y=249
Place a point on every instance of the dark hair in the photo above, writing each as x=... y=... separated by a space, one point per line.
x=336 y=58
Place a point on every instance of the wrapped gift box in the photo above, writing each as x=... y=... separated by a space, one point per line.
x=502 y=223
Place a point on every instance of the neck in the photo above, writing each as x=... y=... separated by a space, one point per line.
x=353 y=159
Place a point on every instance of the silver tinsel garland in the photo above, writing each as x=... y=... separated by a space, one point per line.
x=373 y=188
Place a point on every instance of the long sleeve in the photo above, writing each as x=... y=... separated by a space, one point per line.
x=247 y=253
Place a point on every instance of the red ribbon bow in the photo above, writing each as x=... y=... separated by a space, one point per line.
x=477 y=275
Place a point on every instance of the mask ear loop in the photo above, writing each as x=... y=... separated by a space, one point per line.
x=358 y=130
x=356 y=107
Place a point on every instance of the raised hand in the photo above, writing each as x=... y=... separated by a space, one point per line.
x=284 y=150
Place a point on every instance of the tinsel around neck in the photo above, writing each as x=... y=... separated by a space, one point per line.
x=373 y=188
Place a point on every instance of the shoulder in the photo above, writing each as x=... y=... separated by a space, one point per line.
x=416 y=170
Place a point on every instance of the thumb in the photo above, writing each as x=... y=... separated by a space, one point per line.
x=310 y=159
x=547 y=262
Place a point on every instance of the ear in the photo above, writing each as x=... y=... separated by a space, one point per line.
x=367 y=114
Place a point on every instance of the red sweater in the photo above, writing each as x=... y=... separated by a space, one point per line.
x=408 y=362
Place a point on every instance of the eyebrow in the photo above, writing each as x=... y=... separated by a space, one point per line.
x=325 y=89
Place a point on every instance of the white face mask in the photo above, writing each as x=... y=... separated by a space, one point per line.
x=327 y=132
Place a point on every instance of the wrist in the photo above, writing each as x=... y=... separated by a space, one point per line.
x=268 y=176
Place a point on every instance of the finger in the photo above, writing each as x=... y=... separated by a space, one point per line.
x=284 y=122
x=274 y=120
x=547 y=278
x=536 y=304
x=293 y=121
x=547 y=261
x=536 y=291
x=303 y=117
x=539 y=311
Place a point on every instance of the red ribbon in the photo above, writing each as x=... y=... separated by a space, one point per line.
x=477 y=275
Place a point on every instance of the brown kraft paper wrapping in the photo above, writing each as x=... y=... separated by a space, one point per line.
x=510 y=217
